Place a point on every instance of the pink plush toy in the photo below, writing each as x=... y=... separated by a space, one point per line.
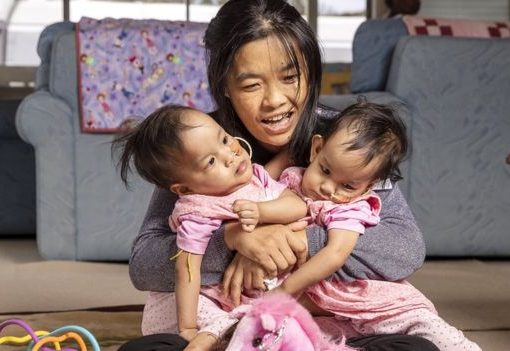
x=278 y=322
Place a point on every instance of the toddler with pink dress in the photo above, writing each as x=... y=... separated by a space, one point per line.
x=187 y=152
x=361 y=149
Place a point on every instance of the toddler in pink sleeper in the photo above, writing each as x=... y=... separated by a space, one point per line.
x=362 y=148
x=187 y=152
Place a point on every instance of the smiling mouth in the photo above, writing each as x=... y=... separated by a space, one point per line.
x=283 y=117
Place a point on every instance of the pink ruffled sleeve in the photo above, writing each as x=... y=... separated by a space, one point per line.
x=194 y=232
x=354 y=216
x=273 y=188
x=291 y=177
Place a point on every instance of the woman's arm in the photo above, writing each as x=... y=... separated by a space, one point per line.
x=391 y=250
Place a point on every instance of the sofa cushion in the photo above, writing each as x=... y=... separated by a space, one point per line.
x=457 y=178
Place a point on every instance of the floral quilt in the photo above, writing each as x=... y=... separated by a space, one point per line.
x=128 y=68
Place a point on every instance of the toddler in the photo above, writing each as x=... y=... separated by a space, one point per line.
x=363 y=147
x=187 y=152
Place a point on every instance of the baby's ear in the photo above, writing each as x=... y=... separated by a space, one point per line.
x=180 y=189
x=317 y=143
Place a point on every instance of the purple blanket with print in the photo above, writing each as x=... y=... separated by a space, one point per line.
x=128 y=68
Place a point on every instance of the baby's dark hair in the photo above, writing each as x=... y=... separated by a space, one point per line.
x=154 y=146
x=378 y=129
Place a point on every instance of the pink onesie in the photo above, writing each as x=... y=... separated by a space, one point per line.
x=364 y=307
x=195 y=217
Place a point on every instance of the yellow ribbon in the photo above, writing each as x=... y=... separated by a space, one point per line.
x=188 y=259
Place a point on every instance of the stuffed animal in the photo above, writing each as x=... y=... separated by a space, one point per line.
x=277 y=322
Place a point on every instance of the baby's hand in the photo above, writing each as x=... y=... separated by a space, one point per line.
x=248 y=212
x=188 y=334
x=201 y=342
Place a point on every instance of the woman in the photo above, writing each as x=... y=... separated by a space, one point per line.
x=264 y=72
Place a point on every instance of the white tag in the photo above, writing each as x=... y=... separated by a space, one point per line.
x=383 y=185
x=271 y=283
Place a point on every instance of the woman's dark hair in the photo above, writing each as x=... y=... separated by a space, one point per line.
x=154 y=146
x=379 y=130
x=239 y=22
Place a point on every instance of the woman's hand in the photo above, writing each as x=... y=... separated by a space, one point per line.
x=242 y=273
x=247 y=269
x=275 y=247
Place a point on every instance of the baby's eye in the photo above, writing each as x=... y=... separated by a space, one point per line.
x=211 y=162
x=225 y=140
x=348 y=187
x=325 y=170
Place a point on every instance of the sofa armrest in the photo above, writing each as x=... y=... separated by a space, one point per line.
x=45 y=122
x=41 y=117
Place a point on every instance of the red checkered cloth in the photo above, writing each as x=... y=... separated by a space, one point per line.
x=456 y=28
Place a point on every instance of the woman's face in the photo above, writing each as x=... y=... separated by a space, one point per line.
x=263 y=88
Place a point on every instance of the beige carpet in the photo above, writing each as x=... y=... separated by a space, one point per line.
x=472 y=295
x=30 y=284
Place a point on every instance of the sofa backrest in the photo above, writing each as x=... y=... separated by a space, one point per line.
x=44 y=50
x=62 y=79
x=457 y=178
x=372 y=48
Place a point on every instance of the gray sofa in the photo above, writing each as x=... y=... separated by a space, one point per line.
x=83 y=210
x=454 y=94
